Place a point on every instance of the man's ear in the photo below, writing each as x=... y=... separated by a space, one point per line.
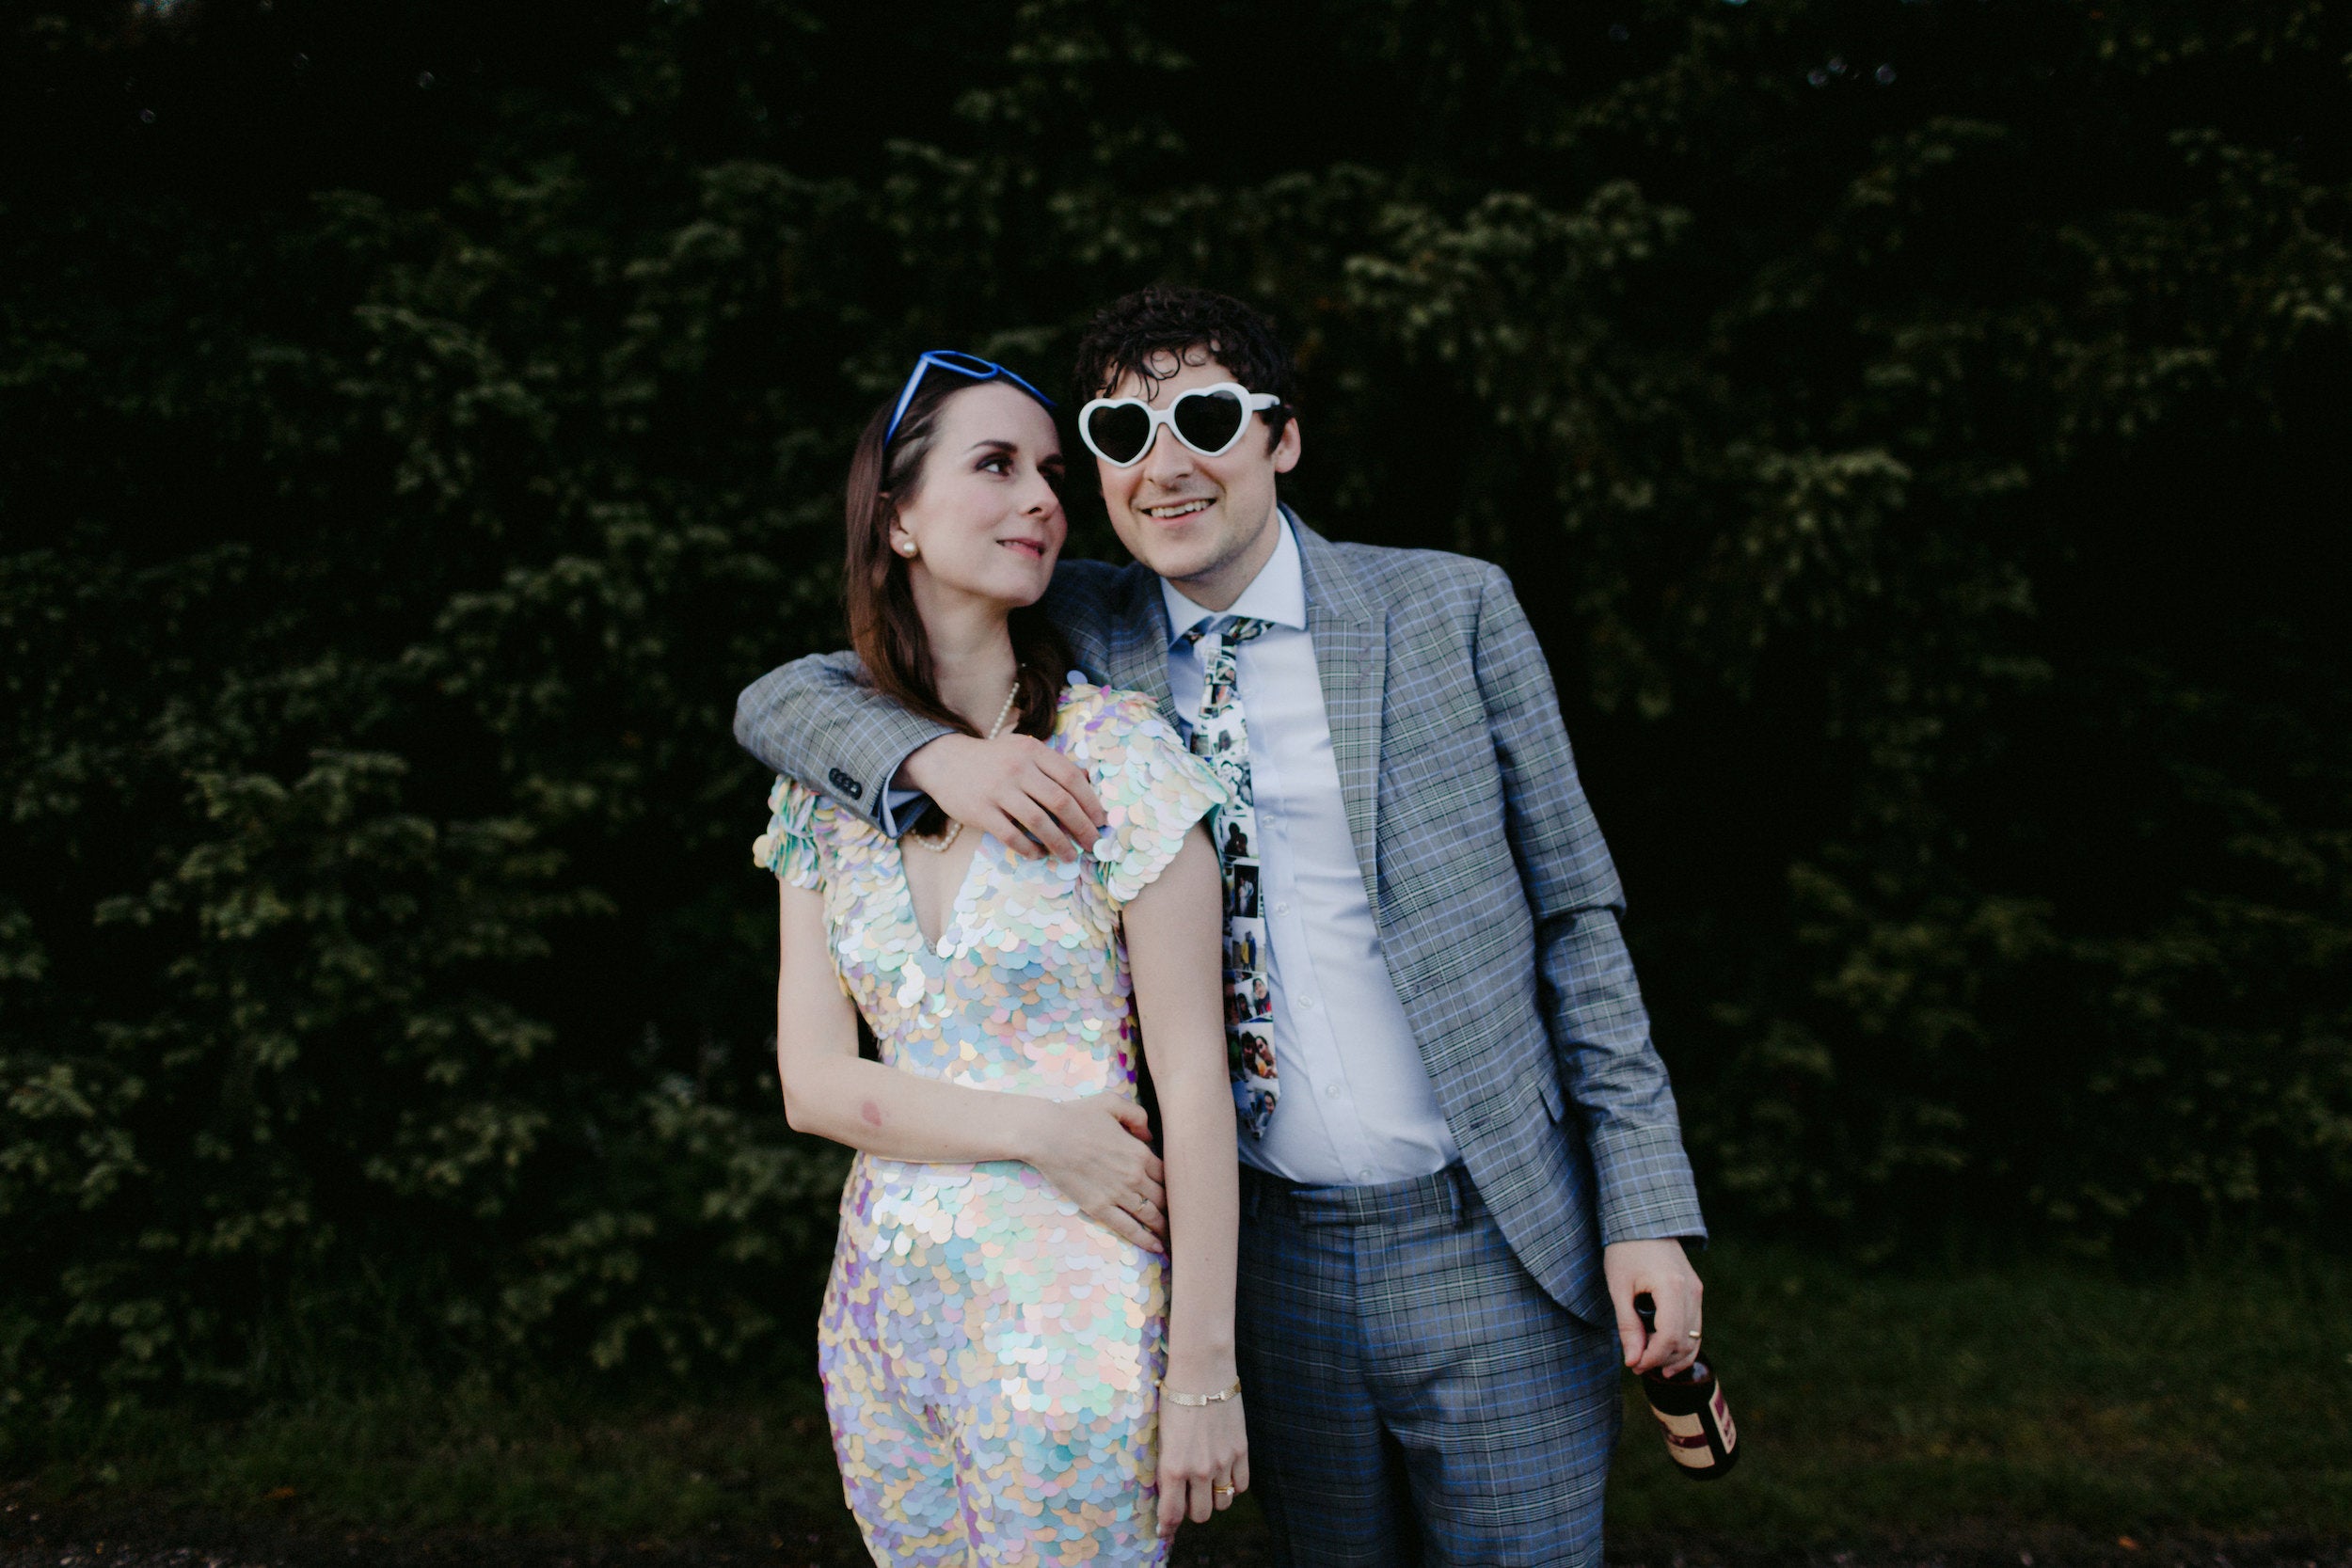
x=1286 y=449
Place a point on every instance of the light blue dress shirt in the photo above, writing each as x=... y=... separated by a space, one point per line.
x=1357 y=1107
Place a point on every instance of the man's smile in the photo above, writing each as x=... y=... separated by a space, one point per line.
x=1169 y=510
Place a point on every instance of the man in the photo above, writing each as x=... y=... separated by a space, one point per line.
x=1461 y=1158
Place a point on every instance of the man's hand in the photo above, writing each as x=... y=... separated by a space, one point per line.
x=1659 y=1269
x=1036 y=800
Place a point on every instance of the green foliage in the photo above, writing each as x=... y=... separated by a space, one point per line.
x=2052 y=1405
x=1915 y=430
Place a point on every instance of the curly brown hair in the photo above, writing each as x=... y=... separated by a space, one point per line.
x=1124 y=335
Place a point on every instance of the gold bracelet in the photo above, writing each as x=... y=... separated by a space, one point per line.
x=1198 y=1399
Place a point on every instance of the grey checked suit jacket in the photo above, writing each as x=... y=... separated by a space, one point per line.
x=1497 y=904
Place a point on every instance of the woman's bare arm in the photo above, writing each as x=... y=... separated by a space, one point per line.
x=1175 y=949
x=1093 y=1150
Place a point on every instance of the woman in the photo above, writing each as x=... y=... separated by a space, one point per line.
x=999 y=1317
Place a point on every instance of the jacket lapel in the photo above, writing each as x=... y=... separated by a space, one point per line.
x=1351 y=639
x=1137 y=657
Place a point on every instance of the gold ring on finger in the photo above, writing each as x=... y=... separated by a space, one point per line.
x=1695 y=1334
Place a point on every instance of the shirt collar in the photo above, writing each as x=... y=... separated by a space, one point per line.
x=1276 y=594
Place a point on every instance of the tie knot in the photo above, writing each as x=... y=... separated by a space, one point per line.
x=1228 y=629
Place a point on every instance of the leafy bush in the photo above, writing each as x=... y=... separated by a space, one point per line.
x=1918 y=430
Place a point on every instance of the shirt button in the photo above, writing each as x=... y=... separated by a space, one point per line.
x=1283 y=908
x=1330 y=1091
x=1307 y=1003
x=1364 y=1176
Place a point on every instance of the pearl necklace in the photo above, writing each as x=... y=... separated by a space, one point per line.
x=939 y=847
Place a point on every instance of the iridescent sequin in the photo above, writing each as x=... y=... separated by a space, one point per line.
x=990 y=1355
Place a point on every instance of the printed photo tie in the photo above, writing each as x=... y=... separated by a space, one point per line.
x=1222 y=737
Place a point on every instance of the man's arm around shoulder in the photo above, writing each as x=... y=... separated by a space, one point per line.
x=816 y=719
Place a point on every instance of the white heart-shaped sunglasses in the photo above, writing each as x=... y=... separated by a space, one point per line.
x=1209 y=420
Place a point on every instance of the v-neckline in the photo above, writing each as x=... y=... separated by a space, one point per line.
x=951 y=917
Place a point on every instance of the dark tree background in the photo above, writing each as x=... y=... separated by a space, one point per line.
x=1921 y=432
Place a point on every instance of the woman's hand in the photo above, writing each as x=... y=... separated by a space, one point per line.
x=1205 y=1459
x=1098 y=1151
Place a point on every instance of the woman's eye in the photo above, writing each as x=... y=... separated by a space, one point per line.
x=995 y=465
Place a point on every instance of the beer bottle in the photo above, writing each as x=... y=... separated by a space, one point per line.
x=1700 y=1437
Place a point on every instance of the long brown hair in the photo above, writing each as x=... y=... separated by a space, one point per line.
x=885 y=626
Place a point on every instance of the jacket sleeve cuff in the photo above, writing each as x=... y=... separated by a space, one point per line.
x=814 y=721
x=869 y=773
x=900 y=806
x=1643 y=1185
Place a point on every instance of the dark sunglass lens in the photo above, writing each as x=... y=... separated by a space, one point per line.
x=1120 y=431
x=1208 y=421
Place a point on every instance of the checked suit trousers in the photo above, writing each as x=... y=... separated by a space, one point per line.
x=1414 y=1396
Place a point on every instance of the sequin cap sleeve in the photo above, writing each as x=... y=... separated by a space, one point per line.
x=789 y=847
x=1153 y=789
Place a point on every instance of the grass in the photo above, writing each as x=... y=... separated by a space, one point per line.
x=2025 y=1400
x=2030 y=1398
x=542 y=1458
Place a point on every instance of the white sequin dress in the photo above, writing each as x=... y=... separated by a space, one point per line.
x=990 y=1357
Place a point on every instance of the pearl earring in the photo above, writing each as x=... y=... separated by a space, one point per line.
x=907 y=549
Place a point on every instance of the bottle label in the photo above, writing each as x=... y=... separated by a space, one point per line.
x=1722 y=1420
x=1686 y=1440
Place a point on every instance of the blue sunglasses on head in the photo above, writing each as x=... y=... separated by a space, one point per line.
x=963 y=364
